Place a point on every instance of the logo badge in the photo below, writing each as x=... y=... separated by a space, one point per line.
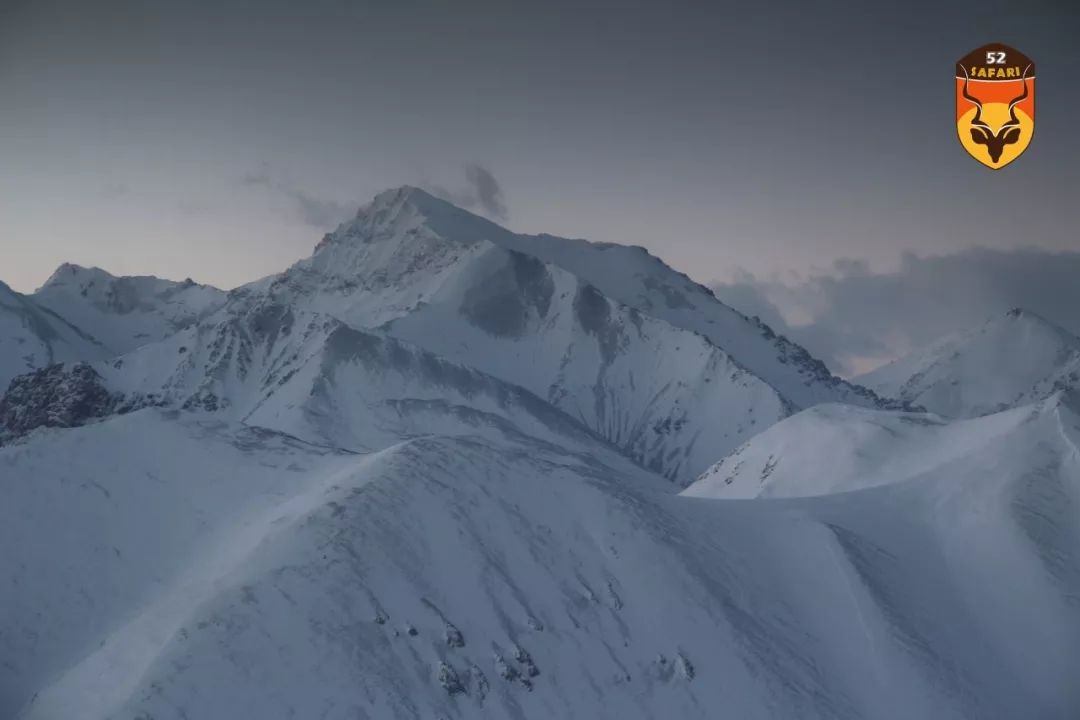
x=995 y=104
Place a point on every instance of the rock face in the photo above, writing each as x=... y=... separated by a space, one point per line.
x=449 y=680
x=56 y=397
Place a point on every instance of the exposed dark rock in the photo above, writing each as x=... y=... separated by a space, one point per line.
x=454 y=638
x=479 y=679
x=510 y=673
x=523 y=657
x=616 y=601
x=685 y=667
x=56 y=396
x=205 y=400
x=449 y=679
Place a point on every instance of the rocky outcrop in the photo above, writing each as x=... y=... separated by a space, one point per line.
x=55 y=396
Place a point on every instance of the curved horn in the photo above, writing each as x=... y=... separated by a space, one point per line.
x=1013 y=120
x=977 y=120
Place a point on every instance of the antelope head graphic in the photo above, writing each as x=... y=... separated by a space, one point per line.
x=1007 y=134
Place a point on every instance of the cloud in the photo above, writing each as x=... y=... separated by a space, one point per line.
x=488 y=193
x=310 y=210
x=479 y=191
x=482 y=192
x=853 y=318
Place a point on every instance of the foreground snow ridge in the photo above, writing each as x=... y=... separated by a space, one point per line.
x=225 y=571
x=434 y=471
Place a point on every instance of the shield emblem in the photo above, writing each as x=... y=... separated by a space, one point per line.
x=995 y=104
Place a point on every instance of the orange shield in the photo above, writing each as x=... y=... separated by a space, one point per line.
x=995 y=104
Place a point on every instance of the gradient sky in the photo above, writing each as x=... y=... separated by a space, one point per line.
x=220 y=140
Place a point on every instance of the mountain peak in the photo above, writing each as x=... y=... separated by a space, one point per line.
x=400 y=194
x=1019 y=313
x=1010 y=360
x=69 y=274
x=125 y=312
x=1033 y=321
x=408 y=210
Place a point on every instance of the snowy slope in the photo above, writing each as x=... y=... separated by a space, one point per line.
x=197 y=570
x=107 y=518
x=1012 y=360
x=839 y=448
x=124 y=313
x=671 y=399
x=630 y=275
x=32 y=337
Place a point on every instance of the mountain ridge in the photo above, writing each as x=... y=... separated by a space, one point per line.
x=124 y=312
x=33 y=336
x=1014 y=358
x=624 y=353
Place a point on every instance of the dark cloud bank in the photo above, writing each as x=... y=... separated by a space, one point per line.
x=853 y=318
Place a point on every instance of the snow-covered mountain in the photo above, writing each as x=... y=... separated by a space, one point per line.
x=641 y=356
x=672 y=407
x=1012 y=360
x=123 y=313
x=612 y=336
x=406 y=246
x=426 y=473
x=31 y=336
